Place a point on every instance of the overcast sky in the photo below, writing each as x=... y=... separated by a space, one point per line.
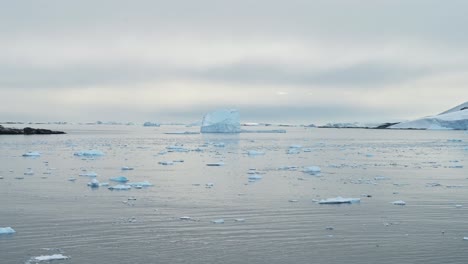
x=276 y=61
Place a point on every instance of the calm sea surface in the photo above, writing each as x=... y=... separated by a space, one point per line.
x=278 y=217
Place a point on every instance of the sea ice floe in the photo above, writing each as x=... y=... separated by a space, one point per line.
x=119 y=179
x=29 y=172
x=255 y=153
x=142 y=184
x=217 y=221
x=399 y=202
x=49 y=258
x=166 y=163
x=6 y=230
x=32 y=154
x=214 y=164
x=126 y=168
x=255 y=177
x=313 y=170
x=339 y=200
x=89 y=174
x=120 y=187
x=89 y=153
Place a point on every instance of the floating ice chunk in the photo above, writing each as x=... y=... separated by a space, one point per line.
x=214 y=164
x=293 y=201
x=381 y=178
x=119 y=179
x=369 y=155
x=399 y=202
x=50 y=257
x=29 y=172
x=307 y=150
x=89 y=153
x=186 y=218
x=32 y=154
x=6 y=230
x=89 y=174
x=217 y=221
x=209 y=185
x=120 y=187
x=177 y=148
x=166 y=163
x=221 y=121
x=458 y=206
x=124 y=168
x=294 y=151
x=289 y=168
x=255 y=153
x=313 y=170
x=339 y=200
x=454 y=140
x=94 y=183
x=219 y=145
x=255 y=177
x=142 y=184
x=239 y=220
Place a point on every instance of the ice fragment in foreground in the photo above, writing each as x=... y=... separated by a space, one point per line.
x=50 y=257
x=6 y=230
x=221 y=121
x=339 y=200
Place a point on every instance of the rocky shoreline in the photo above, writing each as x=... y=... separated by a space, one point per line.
x=27 y=131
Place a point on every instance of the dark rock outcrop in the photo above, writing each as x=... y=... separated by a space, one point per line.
x=27 y=131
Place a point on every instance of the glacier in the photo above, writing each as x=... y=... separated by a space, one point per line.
x=221 y=121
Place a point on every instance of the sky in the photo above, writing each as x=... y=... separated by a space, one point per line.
x=295 y=61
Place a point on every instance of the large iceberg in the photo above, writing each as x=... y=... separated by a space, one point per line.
x=455 y=118
x=221 y=121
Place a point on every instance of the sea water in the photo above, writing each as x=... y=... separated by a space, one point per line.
x=194 y=213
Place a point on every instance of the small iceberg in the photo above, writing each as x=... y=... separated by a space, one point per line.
x=119 y=179
x=32 y=154
x=339 y=200
x=93 y=183
x=125 y=168
x=221 y=121
x=29 y=172
x=120 y=187
x=89 y=153
x=6 y=230
x=399 y=202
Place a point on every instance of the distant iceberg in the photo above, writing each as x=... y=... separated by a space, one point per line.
x=455 y=118
x=221 y=121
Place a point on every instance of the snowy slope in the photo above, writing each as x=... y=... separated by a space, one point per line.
x=451 y=120
x=456 y=108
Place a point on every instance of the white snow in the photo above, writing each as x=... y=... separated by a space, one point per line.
x=447 y=120
x=221 y=121
x=339 y=200
x=6 y=230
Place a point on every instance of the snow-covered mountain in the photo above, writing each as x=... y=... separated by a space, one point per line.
x=454 y=118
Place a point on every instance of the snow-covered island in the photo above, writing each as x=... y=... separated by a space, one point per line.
x=455 y=119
